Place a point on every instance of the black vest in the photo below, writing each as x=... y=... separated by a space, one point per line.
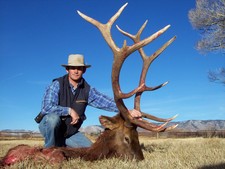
x=78 y=102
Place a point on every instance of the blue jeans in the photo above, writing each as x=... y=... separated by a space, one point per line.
x=51 y=129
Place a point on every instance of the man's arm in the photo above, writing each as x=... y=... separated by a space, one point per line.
x=101 y=101
x=51 y=100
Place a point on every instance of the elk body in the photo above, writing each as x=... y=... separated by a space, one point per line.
x=117 y=140
x=120 y=139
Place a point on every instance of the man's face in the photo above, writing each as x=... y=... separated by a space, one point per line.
x=75 y=72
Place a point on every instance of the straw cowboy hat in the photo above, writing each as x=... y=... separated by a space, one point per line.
x=76 y=60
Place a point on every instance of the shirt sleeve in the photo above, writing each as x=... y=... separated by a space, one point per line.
x=101 y=101
x=50 y=103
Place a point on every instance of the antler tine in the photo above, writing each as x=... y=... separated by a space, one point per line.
x=105 y=29
x=156 y=87
x=152 y=127
x=170 y=127
x=139 y=44
x=148 y=116
x=135 y=38
x=128 y=95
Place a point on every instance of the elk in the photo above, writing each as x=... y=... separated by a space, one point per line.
x=120 y=138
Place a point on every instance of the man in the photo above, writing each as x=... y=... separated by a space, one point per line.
x=64 y=104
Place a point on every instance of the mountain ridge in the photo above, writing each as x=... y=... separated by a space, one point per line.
x=188 y=126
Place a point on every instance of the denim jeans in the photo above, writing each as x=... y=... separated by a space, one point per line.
x=51 y=129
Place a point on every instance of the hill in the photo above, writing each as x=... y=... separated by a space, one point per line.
x=187 y=126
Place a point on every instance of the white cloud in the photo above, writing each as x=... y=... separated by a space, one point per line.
x=38 y=82
x=12 y=77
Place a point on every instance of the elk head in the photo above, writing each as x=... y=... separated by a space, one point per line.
x=124 y=126
x=119 y=140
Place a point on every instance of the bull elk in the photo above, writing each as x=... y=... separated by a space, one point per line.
x=120 y=138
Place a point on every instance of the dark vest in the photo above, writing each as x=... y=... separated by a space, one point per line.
x=78 y=102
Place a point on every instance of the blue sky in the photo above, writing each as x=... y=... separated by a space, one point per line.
x=37 y=36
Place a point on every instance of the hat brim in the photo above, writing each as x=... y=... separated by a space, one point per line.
x=87 y=66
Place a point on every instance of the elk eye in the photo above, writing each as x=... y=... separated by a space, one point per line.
x=127 y=140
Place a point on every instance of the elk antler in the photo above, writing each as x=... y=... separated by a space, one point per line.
x=120 y=55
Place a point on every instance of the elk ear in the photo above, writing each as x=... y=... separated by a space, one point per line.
x=108 y=122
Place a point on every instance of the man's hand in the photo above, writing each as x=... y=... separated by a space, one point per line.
x=135 y=114
x=75 y=117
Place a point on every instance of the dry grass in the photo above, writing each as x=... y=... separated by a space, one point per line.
x=192 y=153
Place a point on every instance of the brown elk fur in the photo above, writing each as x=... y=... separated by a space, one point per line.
x=118 y=140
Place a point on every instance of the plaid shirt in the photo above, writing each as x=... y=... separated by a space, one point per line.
x=96 y=99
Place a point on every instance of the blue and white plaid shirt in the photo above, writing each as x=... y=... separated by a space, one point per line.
x=95 y=99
